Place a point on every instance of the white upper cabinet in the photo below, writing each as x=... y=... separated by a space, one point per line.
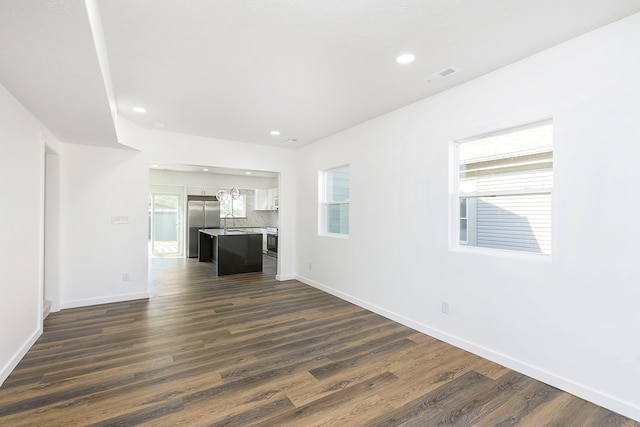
x=266 y=199
x=273 y=198
x=202 y=191
x=261 y=201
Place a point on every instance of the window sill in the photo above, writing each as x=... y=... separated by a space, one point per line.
x=501 y=253
x=335 y=235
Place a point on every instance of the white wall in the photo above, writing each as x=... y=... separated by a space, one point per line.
x=570 y=319
x=21 y=243
x=168 y=147
x=51 y=273
x=96 y=184
x=206 y=179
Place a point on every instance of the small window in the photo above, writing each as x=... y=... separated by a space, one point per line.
x=504 y=182
x=239 y=207
x=334 y=206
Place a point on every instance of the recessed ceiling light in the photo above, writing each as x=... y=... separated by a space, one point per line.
x=154 y=166
x=275 y=132
x=405 y=58
x=205 y=169
x=248 y=173
x=139 y=109
x=292 y=140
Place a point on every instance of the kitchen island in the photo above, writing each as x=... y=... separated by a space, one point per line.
x=233 y=251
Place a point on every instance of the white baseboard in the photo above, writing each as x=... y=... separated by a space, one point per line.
x=283 y=277
x=105 y=300
x=11 y=365
x=602 y=399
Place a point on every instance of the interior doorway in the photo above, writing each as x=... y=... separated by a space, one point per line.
x=51 y=272
x=165 y=225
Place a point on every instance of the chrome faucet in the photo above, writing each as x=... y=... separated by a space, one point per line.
x=225 y=221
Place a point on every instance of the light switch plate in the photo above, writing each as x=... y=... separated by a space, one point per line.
x=119 y=220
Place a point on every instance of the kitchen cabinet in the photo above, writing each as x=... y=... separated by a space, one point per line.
x=202 y=191
x=266 y=199
x=232 y=252
x=261 y=202
x=273 y=197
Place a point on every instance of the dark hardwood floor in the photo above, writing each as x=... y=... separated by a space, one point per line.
x=249 y=350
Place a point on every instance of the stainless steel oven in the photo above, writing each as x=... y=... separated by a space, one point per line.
x=272 y=243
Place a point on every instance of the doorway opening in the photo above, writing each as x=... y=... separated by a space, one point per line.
x=51 y=261
x=165 y=225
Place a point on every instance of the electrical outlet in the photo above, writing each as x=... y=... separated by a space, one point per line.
x=445 y=307
x=125 y=277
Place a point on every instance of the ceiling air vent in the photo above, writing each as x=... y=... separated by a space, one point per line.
x=443 y=73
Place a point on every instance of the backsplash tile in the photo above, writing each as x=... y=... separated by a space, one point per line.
x=254 y=218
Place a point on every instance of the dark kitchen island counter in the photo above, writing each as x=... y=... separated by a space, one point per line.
x=233 y=251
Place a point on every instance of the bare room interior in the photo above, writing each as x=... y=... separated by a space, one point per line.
x=380 y=212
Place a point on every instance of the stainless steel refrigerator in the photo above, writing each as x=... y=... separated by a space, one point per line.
x=202 y=212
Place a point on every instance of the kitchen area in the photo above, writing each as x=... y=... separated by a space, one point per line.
x=204 y=212
x=195 y=201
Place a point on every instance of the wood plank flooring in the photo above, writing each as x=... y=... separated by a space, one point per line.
x=249 y=350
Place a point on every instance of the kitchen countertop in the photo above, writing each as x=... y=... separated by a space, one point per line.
x=233 y=250
x=229 y=232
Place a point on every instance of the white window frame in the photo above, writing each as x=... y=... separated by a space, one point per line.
x=457 y=195
x=242 y=200
x=460 y=218
x=324 y=203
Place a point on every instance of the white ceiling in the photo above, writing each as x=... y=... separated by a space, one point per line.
x=236 y=69
x=177 y=167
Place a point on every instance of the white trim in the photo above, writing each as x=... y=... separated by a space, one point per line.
x=41 y=231
x=599 y=398
x=13 y=362
x=51 y=218
x=503 y=131
x=342 y=202
x=505 y=253
x=498 y=193
x=334 y=235
x=460 y=218
x=105 y=300
x=323 y=203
